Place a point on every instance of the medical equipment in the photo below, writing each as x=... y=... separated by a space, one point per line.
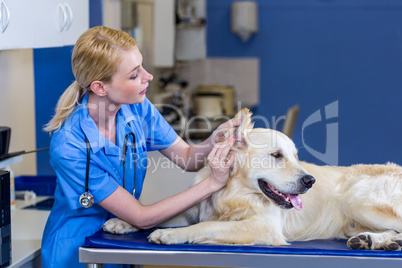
x=5 y=222
x=5 y=137
x=87 y=199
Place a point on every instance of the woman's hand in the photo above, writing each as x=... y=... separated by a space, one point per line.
x=220 y=161
x=219 y=133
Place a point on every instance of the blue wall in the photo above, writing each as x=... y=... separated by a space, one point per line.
x=52 y=74
x=313 y=53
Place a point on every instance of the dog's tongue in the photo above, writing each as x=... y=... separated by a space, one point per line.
x=296 y=201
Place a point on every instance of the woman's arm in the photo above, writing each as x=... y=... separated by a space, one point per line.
x=191 y=158
x=123 y=205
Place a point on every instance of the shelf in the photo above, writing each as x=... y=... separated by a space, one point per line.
x=10 y=161
x=189 y=26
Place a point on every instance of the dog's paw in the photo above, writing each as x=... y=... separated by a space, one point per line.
x=380 y=241
x=360 y=242
x=398 y=239
x=392 y=245
x=167 y=237
x=117 y=226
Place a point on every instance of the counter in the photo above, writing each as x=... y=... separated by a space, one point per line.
x=27 y=227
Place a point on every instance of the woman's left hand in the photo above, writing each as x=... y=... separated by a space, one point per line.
x=219 y=133
x=220 y=159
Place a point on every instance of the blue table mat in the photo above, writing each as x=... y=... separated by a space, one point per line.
x=139 y=241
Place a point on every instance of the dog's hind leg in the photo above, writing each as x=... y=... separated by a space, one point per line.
x=373 y=200
x=389 y=240
x=376 y=218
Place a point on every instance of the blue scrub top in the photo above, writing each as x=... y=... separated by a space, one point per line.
x=69 y=223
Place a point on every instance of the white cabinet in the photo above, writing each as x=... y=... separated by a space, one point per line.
x=154 y=30
x=50 y=18
x=59 y=22
x=164 y=33
x=42 y=23
x=78 y=22
x=16 y=28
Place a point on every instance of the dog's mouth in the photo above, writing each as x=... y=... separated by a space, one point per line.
x=281 y=199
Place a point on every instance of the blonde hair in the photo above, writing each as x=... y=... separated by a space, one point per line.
x=96 y=57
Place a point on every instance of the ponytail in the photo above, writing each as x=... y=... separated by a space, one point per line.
x=65 y=106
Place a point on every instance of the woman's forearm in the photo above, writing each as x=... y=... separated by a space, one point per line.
x=189 y=158
x=127 y=208
x=197 y=154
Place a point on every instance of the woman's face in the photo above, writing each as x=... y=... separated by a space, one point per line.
x=129 y=84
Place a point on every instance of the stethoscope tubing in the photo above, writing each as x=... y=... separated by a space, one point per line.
x=124 y=160
x=87 y=166
x=86 y=199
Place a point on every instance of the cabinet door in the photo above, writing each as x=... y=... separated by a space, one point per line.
x=164 y=33
x=16 y=29
x=78 y=22
x=50 y=19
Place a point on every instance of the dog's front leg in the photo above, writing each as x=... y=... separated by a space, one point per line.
x=118 y=226
x=221 y=232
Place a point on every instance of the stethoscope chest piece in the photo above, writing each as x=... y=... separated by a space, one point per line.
x=86 y=200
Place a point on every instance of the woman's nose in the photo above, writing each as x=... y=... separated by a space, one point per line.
x=147 y=77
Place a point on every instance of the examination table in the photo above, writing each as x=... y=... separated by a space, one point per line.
x=135 y=249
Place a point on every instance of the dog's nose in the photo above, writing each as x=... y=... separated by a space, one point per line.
x=308 y=181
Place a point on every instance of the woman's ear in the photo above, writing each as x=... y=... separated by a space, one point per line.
x=98 y=87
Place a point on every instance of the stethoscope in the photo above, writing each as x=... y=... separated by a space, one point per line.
x=87 y=199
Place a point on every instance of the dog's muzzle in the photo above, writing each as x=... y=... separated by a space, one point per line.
x=287 y=200
x=307 y=181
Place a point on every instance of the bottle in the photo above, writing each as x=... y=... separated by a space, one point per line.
x=12 y=188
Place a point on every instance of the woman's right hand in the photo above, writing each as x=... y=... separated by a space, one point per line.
x=220 y=161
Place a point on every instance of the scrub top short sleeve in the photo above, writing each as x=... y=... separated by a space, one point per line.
x=159 y=134
x=71 y=170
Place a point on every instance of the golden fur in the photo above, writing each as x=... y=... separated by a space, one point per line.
x=361 y=202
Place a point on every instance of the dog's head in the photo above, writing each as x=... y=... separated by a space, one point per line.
x=268 y=160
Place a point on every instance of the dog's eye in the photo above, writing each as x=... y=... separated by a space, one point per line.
x=277 y=155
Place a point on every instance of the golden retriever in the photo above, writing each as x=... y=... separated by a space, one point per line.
x=272 y=198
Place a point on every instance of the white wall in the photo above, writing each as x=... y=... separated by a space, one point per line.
x=163 y=179
x=17 y=105
x=241 y=73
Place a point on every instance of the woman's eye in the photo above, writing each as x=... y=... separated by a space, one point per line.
x=277 y=155
x=134 y=75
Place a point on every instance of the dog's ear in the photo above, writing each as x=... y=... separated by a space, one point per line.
x=244 y=129
x=240 y=134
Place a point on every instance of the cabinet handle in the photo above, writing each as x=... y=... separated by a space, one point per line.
x=62 y=12
x=8 y=16
x=70 y=15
